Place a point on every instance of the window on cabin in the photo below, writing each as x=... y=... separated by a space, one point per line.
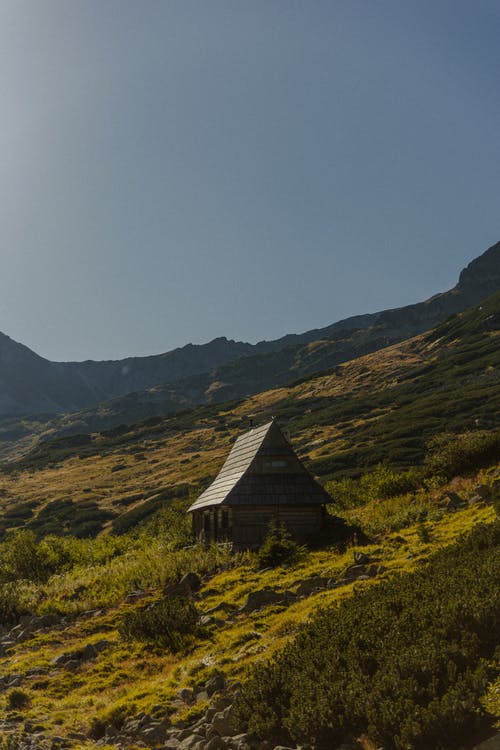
x=276 y=464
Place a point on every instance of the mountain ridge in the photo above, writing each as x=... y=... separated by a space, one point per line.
x=224 y=368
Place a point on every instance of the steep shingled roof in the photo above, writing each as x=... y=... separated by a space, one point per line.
x=243 y=480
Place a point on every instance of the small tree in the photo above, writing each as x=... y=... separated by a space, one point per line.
x=278 y=547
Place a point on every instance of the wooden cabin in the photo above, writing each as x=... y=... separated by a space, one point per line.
x=262 y=480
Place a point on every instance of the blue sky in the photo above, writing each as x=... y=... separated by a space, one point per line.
x=174 y=171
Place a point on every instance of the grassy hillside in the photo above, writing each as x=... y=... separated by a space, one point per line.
x=383 y=407
x=72 y=669
x=95 y=643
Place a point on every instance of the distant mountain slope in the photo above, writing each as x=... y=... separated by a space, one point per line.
x=222 y=369
x=383 y=407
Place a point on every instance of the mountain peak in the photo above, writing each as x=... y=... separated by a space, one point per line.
x=483 y=271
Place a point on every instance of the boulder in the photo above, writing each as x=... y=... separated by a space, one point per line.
x=452 y=501
x=264 y=598
x=483 y=490
x=215 y=684
x=309 y=585
x=223 y=723
x=153 y=732
x=361 y=558
x=215 y=743
x=185 y=695
x=353 y=572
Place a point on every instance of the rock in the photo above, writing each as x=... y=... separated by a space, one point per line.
x=185 y=695
x=154 y=732
x=483 y=490
x=476 y=500
x=361 y=558
x=216 y=743
x=206 y=620
x=216 y=684
x=201 y=697
x=72 y=665
x=190 y=742
x=221 y=702
x=222 y=607
x=376 y=570
x=309 y=585
x=102 y=645
x=451 y=501
x=88 y=653
x=264 y=598
x=134 y=595
x=223 y=723
x=172 y=744
x=353 y=572
x=241 y=742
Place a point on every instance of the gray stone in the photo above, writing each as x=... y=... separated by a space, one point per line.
x=353 y=572
x=190 y=742
x=483 y=490
x=215 y=684
x=222 y=607
x=186 y=695
x=215 y=743
x=221 y=702
x=309 y=585
x=264 y=598
x=223 y=723
x=154 y=732
x=241 y=742
x=361 y=558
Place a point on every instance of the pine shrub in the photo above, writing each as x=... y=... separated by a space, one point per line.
x=168 y=623
x=404 y=663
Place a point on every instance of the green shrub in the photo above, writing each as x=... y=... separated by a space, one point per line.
x=450 y=455
x=404 y=662
x=278 y=547
x=17 y=700
x=12 y=603
x=382 y=483
x=169 y=623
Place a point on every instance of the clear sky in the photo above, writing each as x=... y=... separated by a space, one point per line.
x=173 y=171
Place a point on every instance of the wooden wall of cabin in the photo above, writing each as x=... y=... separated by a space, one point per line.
x=247 y=525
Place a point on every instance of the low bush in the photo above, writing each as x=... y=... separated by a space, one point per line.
x=404 y=663
x=382 y=483
x=169 y=623
x=13 y=604
x=450 y=454
x=17 y=700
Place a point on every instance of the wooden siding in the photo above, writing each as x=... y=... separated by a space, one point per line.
x=247 y=526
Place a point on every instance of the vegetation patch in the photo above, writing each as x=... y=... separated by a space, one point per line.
x=404 y=663
x=169 y=623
